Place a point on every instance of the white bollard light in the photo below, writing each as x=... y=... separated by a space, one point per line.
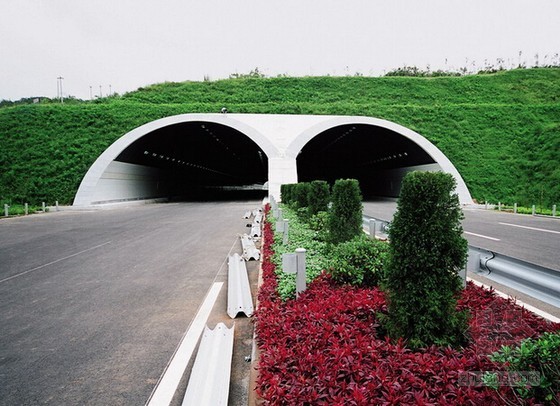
x=295 y=263
x=372 y=231
x=300 y=276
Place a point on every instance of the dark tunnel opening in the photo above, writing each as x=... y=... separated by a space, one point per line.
x=201 y=161
x=377 y=157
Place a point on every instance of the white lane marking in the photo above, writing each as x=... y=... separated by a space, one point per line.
x=53 y=262
x=531 y=228
x=518 y=302
x=481 y=236
x=167 y=385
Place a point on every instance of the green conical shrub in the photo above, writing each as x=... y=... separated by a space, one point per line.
x=426 y=252
x=345 y=215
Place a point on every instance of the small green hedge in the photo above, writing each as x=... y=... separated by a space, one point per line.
x=540 y=356
x=358 y=261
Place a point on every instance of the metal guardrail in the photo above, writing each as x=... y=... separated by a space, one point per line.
x=531 y=279
x=210 y=376
x=239 y=290
x=250 y=251
x=256 y=230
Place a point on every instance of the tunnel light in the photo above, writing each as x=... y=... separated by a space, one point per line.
x=146 y=152
x=161 y=156
x=154 y=154
x=202 y=126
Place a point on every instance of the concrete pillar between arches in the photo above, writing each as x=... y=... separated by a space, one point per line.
x=281 y=170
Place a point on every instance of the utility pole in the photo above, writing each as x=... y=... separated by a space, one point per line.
x=90 y=93
x=100 y=92
x=109 y=90
x=59 y=93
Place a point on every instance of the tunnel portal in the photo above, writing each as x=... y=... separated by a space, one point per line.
x=378 y=157
x=199 y=160
x=193 y=156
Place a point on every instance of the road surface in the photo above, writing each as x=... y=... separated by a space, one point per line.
x=93 y=304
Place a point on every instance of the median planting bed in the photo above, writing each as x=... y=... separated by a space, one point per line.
x=328 y=347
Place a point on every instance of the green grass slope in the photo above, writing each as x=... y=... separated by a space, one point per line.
x=502 y=131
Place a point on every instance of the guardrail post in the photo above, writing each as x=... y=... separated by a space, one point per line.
x=486 y=205
x=499 y=206
x=372 y=224
x=533 y=210
x=56 y=204
x=6 y=210
x=554 y=210
x=514 y=208
x=472 y=265
x=26 y=209
x=44 y=207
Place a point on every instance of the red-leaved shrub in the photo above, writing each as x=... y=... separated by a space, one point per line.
x=324 y=349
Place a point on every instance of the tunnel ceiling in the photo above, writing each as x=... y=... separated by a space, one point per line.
x=357 y=151
x=200 y=154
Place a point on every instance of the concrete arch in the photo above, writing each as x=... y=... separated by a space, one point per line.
x=91 y=192
x=280 y=137
x=441 y=161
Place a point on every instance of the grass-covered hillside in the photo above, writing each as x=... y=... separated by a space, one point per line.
x=502 y=130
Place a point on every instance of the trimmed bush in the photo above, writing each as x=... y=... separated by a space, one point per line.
x=287 y=193
x=426 y=252
x=301 y=195
x=319 y=197
x=359 y=261
x=345 y=216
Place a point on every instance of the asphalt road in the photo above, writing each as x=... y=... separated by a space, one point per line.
x=93 y=304
x=529 y=238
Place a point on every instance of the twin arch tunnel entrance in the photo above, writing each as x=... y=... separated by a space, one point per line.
x=209 y=156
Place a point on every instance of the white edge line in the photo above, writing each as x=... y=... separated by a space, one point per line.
x=481 y=236
x=518 y=302
x=544 y=230
x=167 y=385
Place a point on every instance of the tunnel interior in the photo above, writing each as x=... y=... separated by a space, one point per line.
x=200 y=160
x=377 y=157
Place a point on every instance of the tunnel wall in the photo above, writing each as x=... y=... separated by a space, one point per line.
x=388 y=182
x=281 y=138
x=123 y=181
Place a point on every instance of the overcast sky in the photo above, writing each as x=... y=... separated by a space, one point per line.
x=132 y=43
